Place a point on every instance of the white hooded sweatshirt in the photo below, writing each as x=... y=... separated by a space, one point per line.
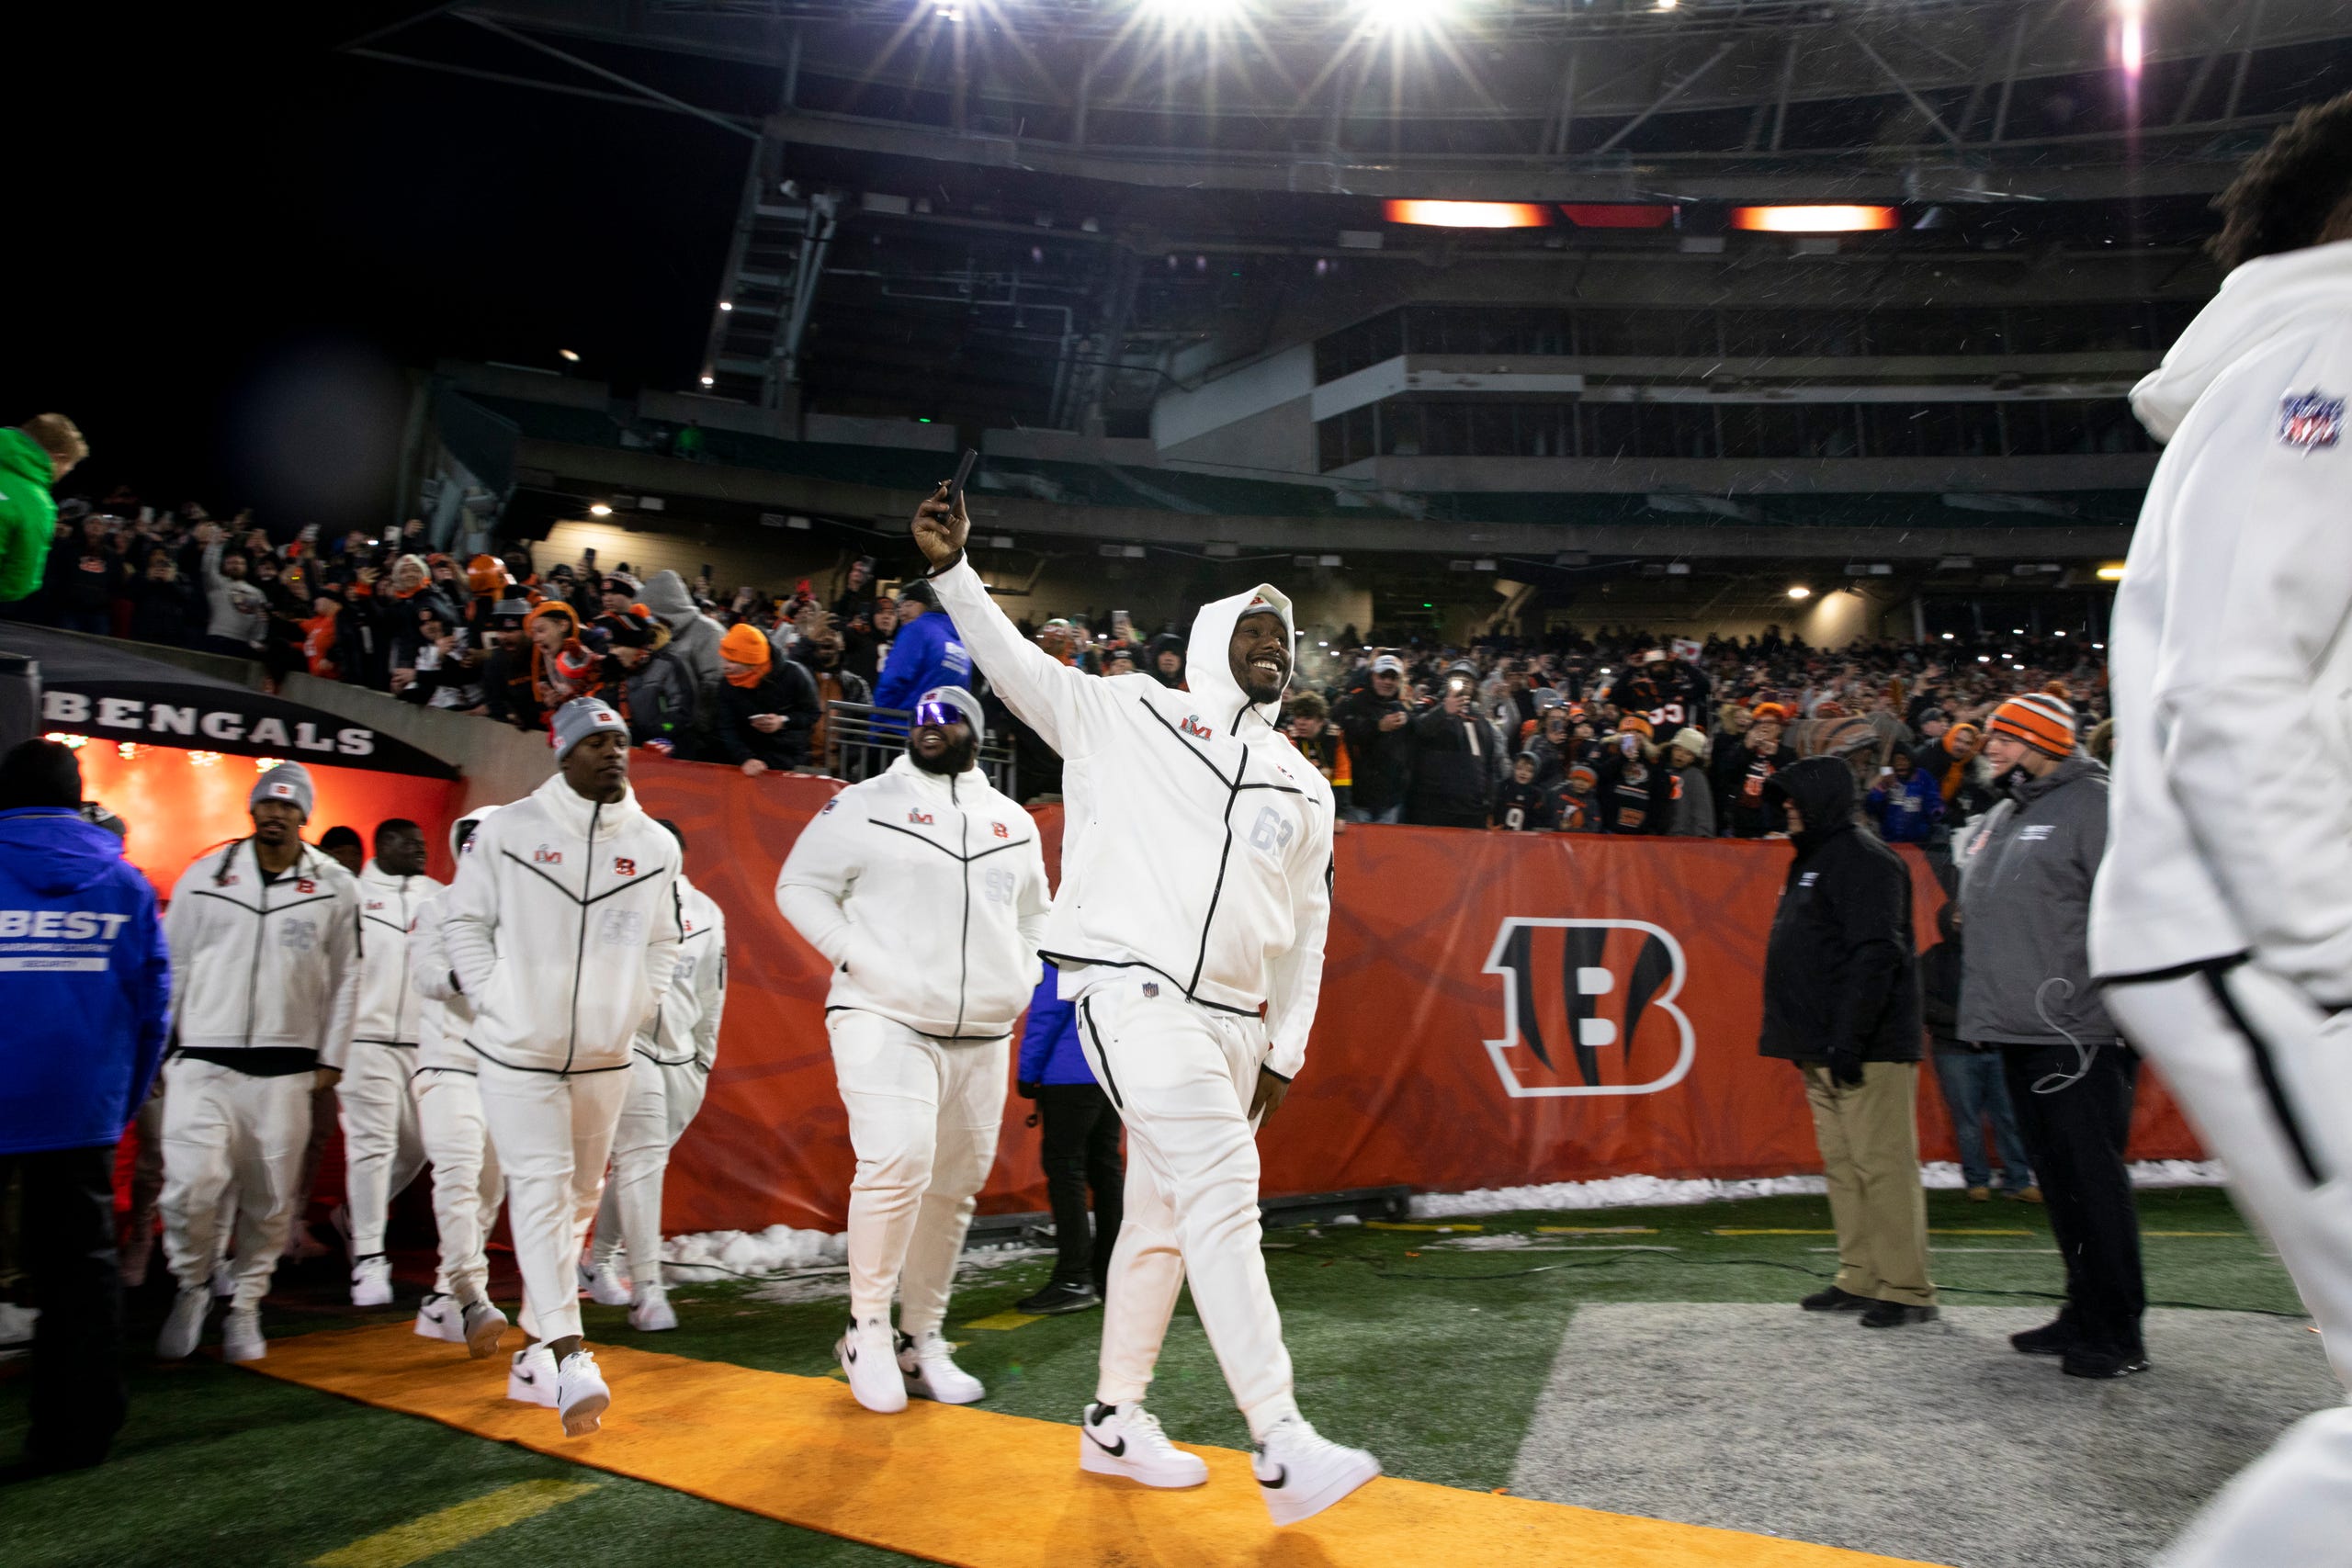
x=389 y=1006
x=928 y=896
x=685 y=1029
x=1196 y=841
x=259 y=964
x=444 y=1015
x=2230 y=640
x=563 y=929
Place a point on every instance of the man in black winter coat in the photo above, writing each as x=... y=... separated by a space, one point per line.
x=1841 y=1000
x=1377 y=721
x=1457 y=763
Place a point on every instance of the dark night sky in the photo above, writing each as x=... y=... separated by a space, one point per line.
x=253 y=234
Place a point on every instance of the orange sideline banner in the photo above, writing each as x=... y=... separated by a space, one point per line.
x=1497 y=1010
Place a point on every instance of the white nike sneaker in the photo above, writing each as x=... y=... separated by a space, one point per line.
x=484 y=1327
x=371 y=1282
x=652 y=1312
x=1300 y=1473
x=928 y=1364
x=607 y=1286
x=581 y=1396
x=530 y=1377
x=184 y=1327
x=241 y=1337
x=437 y=1317
x=869 y=1354
x=1126 y=1440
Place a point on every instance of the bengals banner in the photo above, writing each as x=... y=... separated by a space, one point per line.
x=1498 y=1010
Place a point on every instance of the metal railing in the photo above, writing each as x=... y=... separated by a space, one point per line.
x=861 y=740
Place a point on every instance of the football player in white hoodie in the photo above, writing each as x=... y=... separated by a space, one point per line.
x=562 y=930
x=264 y=938
x=467 y=1186
x=1193 y=805
x=2222 y=919
x=381 y=1150
x=667 y=1075
x=925 y=889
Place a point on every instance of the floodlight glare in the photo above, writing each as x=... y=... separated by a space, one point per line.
x=1800 y=592
x=1405 y=15
x=2110 y=574
x=600 y=510
x=1469 y=214
x=1814 y=220
x=1198 y=13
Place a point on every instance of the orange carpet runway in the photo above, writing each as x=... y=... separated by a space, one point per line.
x=982 y=1490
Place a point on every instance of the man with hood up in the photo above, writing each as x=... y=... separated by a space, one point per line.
x=693 y=640
x=1841 y=1000
x=2221 y=920
x=1191 y=803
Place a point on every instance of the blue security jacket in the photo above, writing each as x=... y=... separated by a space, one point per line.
x=1049 y=1048
x=85 y=984
x=927 y=652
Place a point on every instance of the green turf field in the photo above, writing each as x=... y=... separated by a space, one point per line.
x=1430 y=1354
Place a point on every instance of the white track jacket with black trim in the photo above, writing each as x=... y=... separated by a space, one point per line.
x=1196 y=841
x=2232 y=633
x=265 y=964
x=928 y=896
x=563 y=929
x=685 y=1027
x=389 y=1004
x=444 y=1016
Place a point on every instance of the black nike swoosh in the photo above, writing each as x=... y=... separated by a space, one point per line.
x=528 y=1377
x=1118 y=1452
x=1279 y=1481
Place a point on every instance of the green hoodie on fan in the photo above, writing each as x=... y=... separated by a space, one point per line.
x=27 y=513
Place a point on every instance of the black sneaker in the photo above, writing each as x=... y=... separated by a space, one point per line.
x=1894 y=1315
x=2087 y=1362
x=1834 y=1300
x=1057 y=1298
x=2051 y=1339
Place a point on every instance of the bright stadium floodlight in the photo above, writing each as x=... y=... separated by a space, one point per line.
x=1469 y=214
x=600 y=510
x=2130 y=35
x=1405 y=15
x=2110 y=573
x=1195 y=13
x=1827 y=220
x=1800 y=592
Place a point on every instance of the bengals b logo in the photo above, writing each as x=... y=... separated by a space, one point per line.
x=1589 y=1007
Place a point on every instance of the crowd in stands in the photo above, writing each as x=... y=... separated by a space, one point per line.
x=1619 y=732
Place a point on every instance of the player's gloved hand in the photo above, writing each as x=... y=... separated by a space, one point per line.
x=1846 y=1066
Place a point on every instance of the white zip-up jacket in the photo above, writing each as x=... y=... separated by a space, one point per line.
x=444 y=1015
x=261 y=964
x=562 y=930
x=928 y=896
x=685 y=1027
x=2229 y=640
x=1196 y=841
x=389 y=1006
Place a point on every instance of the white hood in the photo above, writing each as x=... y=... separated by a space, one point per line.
x=2267 y=298
x=1208 y=664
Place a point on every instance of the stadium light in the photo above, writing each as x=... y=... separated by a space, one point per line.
x=710 y=380
x=1405 y=15
x=2110 y=574
x=2131 y=34
x=1469 y=214
x=1814 y=220
x=1197 y=13
x=1799 y=591
x=600 y=510
x=570 y=354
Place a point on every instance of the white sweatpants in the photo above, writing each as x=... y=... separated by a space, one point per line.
x=227 y=1131
x=467 y=1186
x=381 y=1150
x=552 y=1133
x=1183 y=1077
x=662 y=1100
x=2265 y=1078
x=923 y=1121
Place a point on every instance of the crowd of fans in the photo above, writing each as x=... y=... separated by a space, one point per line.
x=1620 y=732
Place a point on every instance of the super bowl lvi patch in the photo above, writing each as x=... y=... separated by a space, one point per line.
x=2310 y=420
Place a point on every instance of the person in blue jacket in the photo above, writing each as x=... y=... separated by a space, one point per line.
x=1081 y=1150
x=927 y=652
x=1906 y=806
x=85 y=985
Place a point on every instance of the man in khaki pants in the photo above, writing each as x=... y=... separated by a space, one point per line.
x=1841 y=1000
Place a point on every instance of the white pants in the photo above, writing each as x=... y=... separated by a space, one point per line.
x=381 y=1150
x=227 y=1131
x=662 y=1100
x=2265 y=1078
x=467 y=1186
x=552 y=1133
x=923 y=1121
x=1183 y=1077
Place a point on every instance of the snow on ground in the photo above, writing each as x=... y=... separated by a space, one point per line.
x=1637 y=1192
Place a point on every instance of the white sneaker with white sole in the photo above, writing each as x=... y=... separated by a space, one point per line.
x=439 y=1317
x=928 y=1365
x=607 y=1286
x=869 y=1356
x=183 y=1329
x=371 y=1282
x=241 y=1337
x=581 y=1396
x=651 y=1312
x=1126 y=1440
x=1301 y=1472
x=530 y=1377
x=485 y=1325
